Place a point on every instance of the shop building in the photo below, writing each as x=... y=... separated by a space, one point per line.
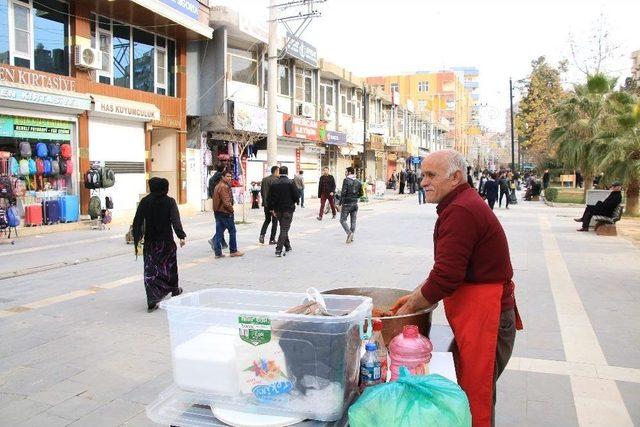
x=107 y=79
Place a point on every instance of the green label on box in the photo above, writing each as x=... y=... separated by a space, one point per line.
x=255 y=330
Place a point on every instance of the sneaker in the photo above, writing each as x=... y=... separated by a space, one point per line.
x=225 y=245
x=261 y=239
x=220 y=256
x=350 y=238
x=319 y=218
x=211 y=244
x=236 y=254
x=273 y=242
x=583 y=229
x=278 y=254
x=577 y=219
x=289 y=249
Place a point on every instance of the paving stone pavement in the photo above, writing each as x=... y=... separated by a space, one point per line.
x=78 y=347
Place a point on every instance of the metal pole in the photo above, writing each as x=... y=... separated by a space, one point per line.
x=272 y=86
x=513 y=154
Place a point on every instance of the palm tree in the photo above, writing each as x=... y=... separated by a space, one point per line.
x=620 y=155
x=581 y=118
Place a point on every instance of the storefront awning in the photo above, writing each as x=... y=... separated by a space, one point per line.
x=184 y=13
x=124 y=109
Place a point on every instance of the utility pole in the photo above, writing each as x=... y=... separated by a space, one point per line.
x=513 y=154
x=272 y=86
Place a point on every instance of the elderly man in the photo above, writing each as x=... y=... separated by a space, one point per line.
x=472 y=274
x=604 y=208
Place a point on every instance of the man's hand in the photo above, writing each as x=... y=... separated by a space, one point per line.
x=410 y=304
x=182 y=243
x=331 y=194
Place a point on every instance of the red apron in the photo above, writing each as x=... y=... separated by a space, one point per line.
x=473 y=311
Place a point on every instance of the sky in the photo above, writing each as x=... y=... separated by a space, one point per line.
x=499 y=37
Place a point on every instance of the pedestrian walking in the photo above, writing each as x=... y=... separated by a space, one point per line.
x=156 y=219
x=299 y=181
x=470 y=178
x=403 y=181
x=326 y=191
x=503 y=182
x=394 y=181
x=411 y=180
x=223 y=212
x=350 y=195
x=546 y=177
x=472 y=274
x=283 y=197
x=421 y=193
x=483 y=180
x=213 y=181
x=579 y=179
x=491 y=190
x=265 y=185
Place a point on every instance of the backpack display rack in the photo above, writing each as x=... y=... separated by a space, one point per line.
x=96 y=179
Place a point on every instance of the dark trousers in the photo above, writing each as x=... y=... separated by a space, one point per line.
x=506 y=194
x=350 y=210
x=421 y=196
x=332 y=203
x=589 y=211
x=224 y=222
x=285 y=219
x=492 y=203
x=301 y=194
x=269 y=219
x=402 y=184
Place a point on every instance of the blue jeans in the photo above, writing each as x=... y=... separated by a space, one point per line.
x=224 y=222
x=301 y=194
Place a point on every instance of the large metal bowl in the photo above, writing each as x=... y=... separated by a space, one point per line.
x=384 y=298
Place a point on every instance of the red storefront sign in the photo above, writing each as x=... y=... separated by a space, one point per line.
x=301 y=128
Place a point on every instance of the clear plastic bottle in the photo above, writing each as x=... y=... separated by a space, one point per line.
x=410 y=349
x=382 y=349
x=369 y=367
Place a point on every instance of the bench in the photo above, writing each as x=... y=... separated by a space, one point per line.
x=605 y=225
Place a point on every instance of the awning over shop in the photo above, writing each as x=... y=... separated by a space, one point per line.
x=183 y=12
x=124 y=108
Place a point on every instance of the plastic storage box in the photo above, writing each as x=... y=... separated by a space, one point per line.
x=240 y=349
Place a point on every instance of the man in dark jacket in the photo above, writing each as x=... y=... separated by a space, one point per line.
x=403 y=181
x=283 y=196
x=503 y=182
x=326 y=190
x=411 y=180
x=491 y=190
x=545 y=179
x=351 y=191
x=267 y=181
x=604 y=208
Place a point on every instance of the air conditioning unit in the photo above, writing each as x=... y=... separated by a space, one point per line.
x=305 y=110
x=88 y=58
x=329 y=113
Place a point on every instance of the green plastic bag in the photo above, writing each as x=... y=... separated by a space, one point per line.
x=412 y=401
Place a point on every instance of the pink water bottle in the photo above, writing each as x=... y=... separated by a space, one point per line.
x=411 y=350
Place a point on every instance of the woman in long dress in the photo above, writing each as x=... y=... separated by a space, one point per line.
x=155 y=217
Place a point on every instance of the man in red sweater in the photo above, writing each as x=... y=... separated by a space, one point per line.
x=472 y=273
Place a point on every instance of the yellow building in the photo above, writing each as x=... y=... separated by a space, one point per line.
x=442 y=93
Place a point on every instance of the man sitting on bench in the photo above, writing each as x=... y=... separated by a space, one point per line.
x=603 y=208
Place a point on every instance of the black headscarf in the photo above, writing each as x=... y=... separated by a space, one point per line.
x=150 y=212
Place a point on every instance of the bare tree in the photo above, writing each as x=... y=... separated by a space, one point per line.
x=595 y=52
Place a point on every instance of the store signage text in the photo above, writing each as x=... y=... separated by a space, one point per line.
x=378 y=128
x=302 y=50
x=21 y=95
x=27 y=127
x=31 y=78
x=249 y=118
x=301 y=128
x=314 y=149
x=135 y=112
x=336 y=138
x=185 y=7
x=376 y=143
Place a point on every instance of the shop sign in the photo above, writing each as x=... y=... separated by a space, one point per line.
x=392 y=157
x=392 y=142
x=314 y=149
x=145 y=112
x=27 y=127
x=336 y=138
x=416 y=160
x=9 y=93
x=185 y=7
x=249 y=118
x=376 y=143
x=301 y=128
x=302 y=50
x=378 y=128
x=31 y=78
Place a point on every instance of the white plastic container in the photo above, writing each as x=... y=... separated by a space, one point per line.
x=239 y=349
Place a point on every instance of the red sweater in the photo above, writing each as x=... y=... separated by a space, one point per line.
x=469 y=246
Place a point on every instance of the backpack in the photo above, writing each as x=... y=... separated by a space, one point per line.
x=91 y=179
x=63 y=166
x=4 y=221
x=24 y=167
x=41 y=149
x=94 y=207
x=14 y=167
x=107 y=177
x=65 y=151
x=39 y=167
x=32 y=167
x=47 y=167
x=6 y=187
x=55 y=167
x=13 y=217
x=54 y=149
x=68 y=166
x=108 y=202
x=19 y=187
x=25 y=149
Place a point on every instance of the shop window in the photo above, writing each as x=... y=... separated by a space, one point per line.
x=423 y=86
x=4 y=32
x=243 y=66
x=308 y=86
x=326 y=92
x=171 y=53
x=21 y=35
x=121 y=55
x=143 y=60
x=161 y=70
x=284 y=80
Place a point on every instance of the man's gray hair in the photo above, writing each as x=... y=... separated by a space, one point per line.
x=455 y=162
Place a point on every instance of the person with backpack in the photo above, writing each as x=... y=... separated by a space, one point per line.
x=156 y=219
x=213 y=181
x=351 y=193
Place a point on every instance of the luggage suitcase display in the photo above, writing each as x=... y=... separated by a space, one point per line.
x=69 y=209
x=32 y=215
x=51 y=211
